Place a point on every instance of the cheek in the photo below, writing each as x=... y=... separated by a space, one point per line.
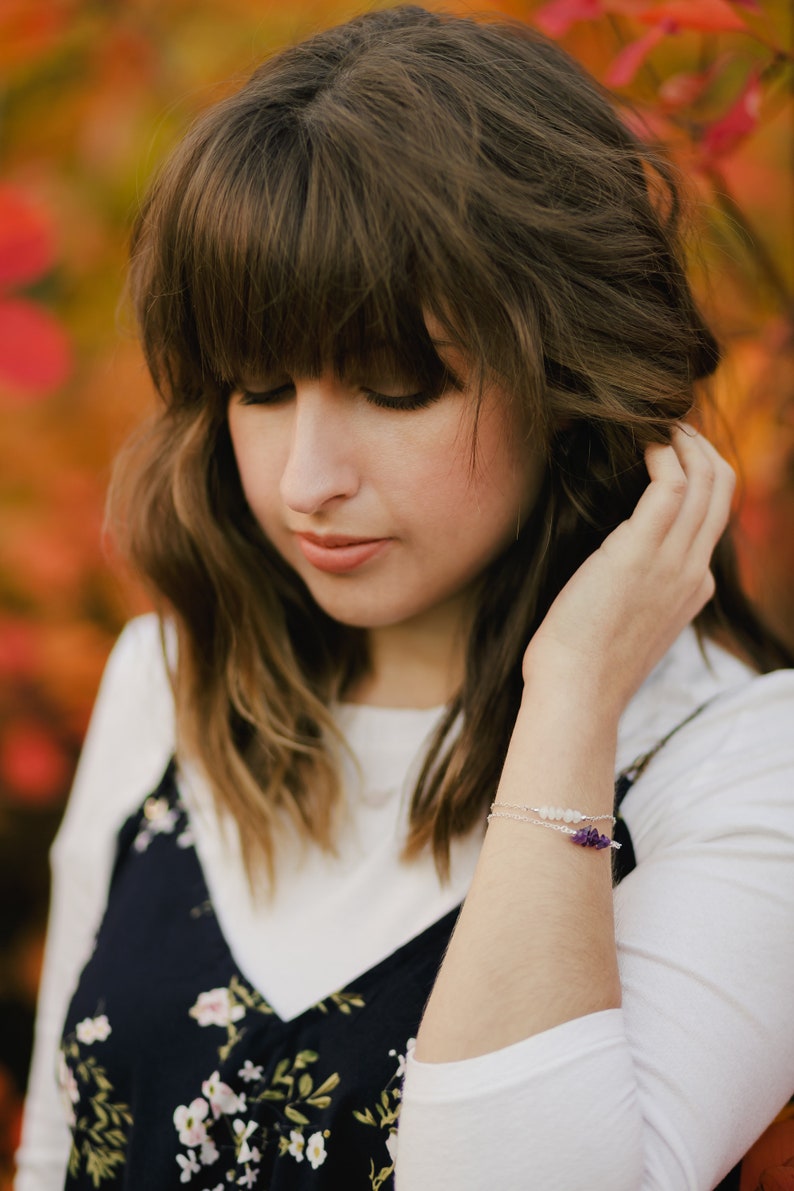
x=258 y=468
x=489 y=492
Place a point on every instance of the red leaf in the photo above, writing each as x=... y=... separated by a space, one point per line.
x=556 y=18
x=737 y=123
x=27 y=243
x=35 y=354
x=19 y=653
x=624 y=67
x=712 y=16
x=32 y=763
x=682 y=90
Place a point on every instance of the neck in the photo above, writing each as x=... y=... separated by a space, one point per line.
x=419 y=663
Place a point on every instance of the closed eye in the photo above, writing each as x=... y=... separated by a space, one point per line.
x=267 y=397
x=286 y=391
x=410 y=401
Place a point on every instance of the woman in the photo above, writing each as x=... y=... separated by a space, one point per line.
x=443 y=584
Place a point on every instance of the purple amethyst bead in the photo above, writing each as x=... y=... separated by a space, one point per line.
x=589 y=837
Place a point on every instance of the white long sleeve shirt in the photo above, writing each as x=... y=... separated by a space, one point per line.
x=666 y=1092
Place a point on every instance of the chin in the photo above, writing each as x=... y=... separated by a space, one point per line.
x=369 y=619
x=369 y=613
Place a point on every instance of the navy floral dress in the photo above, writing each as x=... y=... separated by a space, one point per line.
x=176 y=1073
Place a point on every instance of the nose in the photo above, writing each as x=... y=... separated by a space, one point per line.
x=320 y=467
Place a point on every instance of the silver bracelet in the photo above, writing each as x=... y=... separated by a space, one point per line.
x=560 y=813
x=585 y=837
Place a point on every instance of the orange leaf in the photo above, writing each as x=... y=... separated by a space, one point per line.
x=35 y=355
x=31 y=28
x=19 y=653
x=712 y=16
x=27 y=243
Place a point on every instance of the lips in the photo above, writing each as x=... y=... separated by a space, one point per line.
x=339 y=554
x=333 y=541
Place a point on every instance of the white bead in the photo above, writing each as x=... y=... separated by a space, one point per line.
x=577 y=817
x=544 y=812
x=569 y=816
x=559 y=813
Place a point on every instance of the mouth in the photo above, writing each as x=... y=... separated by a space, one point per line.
x=339 y=554
x=334 y=541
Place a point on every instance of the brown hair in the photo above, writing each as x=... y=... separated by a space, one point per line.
x=402 y=165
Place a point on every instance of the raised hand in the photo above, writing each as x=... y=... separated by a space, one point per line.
x=621 y=611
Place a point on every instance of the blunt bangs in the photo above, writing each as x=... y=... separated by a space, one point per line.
x=291 y=247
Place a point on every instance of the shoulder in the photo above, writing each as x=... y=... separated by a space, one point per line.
x=130 y=737
x=731 y=767
x=694 y=675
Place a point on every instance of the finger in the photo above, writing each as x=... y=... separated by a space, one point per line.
x=706 y=502
x=660 y=504
x=718 y=512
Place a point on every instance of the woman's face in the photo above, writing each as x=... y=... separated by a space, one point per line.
x=370 y=494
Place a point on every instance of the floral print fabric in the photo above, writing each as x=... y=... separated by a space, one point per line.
x=176 y=1073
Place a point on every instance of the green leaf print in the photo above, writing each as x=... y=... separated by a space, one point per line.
x=388 y=1112
x=99 y=1134
x=344 y=1002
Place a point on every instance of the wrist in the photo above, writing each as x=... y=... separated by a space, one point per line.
x=587 y=706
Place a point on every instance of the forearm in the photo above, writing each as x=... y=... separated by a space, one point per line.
x=534 y=944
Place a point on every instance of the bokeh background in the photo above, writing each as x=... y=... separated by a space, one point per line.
x=92 y=95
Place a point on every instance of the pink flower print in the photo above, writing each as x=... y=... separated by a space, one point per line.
x=70 y=1093
x=209 y=1152
x=221 y=1097
x=216 y=1008
x=248 y=1179
x=189 y=1166
x=249 y=1072
x=189 y=1121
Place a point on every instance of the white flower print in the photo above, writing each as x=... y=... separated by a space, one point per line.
x=209 y=1152
x=297 y=1144
x=248 y=1072
x=189 y=1121
x=401 y=1058
x=221 y=1097
x=70 y=1093
x=185 y=839
x=249 y=1178
x=215 y=1008
x=93 y=1029
x=189 y=1166
x=243 y=1132
x=315 y=1150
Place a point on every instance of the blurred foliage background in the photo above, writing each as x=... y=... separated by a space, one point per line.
x=92 y=95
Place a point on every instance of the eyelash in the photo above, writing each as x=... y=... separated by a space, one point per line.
x=409 y=402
